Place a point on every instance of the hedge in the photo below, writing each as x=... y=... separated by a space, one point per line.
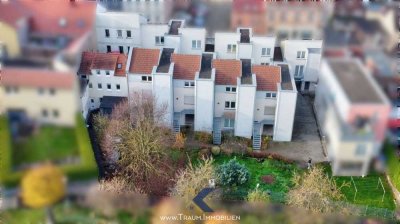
x=393 y=165
x=5 y=149
x=86 y=170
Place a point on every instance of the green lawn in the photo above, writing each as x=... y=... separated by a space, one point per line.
x=48 y=143
x=282 y=173
x=67 y=214
x=369 y=191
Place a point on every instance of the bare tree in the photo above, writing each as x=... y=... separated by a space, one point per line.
x=315 y=191
x=136 y=137
x=193 y=179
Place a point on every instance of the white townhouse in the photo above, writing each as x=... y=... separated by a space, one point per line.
x=304 y=59
x=105 y=76
x=243 y=45
x=353 y=113
x=118 y=31
x=216 y=95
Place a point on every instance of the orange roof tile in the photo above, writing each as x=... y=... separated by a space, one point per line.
x=227 y=71
x=47 y=16
x=12 y=76
x=186 y=66
x=267 y=77
x=143 y=60
x=103 y=61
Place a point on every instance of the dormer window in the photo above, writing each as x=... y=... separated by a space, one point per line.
x=119 y=65
x=107 y=72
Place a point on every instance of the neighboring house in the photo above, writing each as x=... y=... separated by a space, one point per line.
x=249 y=13
x=303 y=58
x=118 y=31
x=156 y=11
x=40 y=95
x=297 y=20
x=216 y=95
x=352 y=120
x=243 y=45
x=106 y=76
x=31 y=30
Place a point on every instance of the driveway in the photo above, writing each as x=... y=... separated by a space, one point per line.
x=306 y=141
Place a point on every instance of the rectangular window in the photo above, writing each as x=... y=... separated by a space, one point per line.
x=264 y=63
x=107 y=33
x=159 y=40
x=52 y=91
x=109 y=86
x=90 y=85
x=146 y=78
x=265 y=51
x=55 y=113
x=230 y=89
x=196 y=44
x=119 y=33
x=301 y=54
x=107 y=72
x=98 y=72
x=231 y=48
x=92 y=100
x=99 y=86
x=270 y=95
x=128 y=34
x=108 y=48
x=189 y=84
x=188 y=100
x=229 y=123
x=230 y=104
x=40 y=91
x=119 y=65
x=44 y=113
x=121 y=49
x=298 y=71
x=361 y=149
x=118 y=87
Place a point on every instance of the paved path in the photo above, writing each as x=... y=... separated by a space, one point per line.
x=306 y=142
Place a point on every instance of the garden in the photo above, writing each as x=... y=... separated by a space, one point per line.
x=69 y=147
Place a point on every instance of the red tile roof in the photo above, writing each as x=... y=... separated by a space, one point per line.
x=227 y=71
x=12 y=76
x=186 y=66
x=46 y=16
x=102 y=61
x=143 y=60
x=267 y=77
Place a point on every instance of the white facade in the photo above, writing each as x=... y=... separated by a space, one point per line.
x=204 y=103
x=285 y=111
x=116 y=31
x=303 y=58
x=100 y=84
x=244 y=118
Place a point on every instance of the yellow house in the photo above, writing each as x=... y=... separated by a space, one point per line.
x=41 y=95
x=13 y=30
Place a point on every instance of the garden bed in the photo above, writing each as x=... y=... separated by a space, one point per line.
x=282 y=174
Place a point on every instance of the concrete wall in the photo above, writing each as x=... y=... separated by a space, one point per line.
x=180 y=92
x=244 y=118
x=244 y=50
x=136 y=85
x=259 y=106
x=220 y=97
x=285 y=111
x=204 y=104
x=95 y=93
x=173 y=41
x=221 y=42
x=149 y=33
x=114 y=21
x=189 y=34
x=163 y=92
x=258 y=44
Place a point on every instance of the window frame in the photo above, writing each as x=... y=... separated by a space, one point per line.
x=231 y=105
x=118 y=87
x=267 y=52
x=230 y=48
x=119 y=33
x=99 y=86
x=107 y=33
x=128 y=34
x=109 y=85
x=230 y=122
